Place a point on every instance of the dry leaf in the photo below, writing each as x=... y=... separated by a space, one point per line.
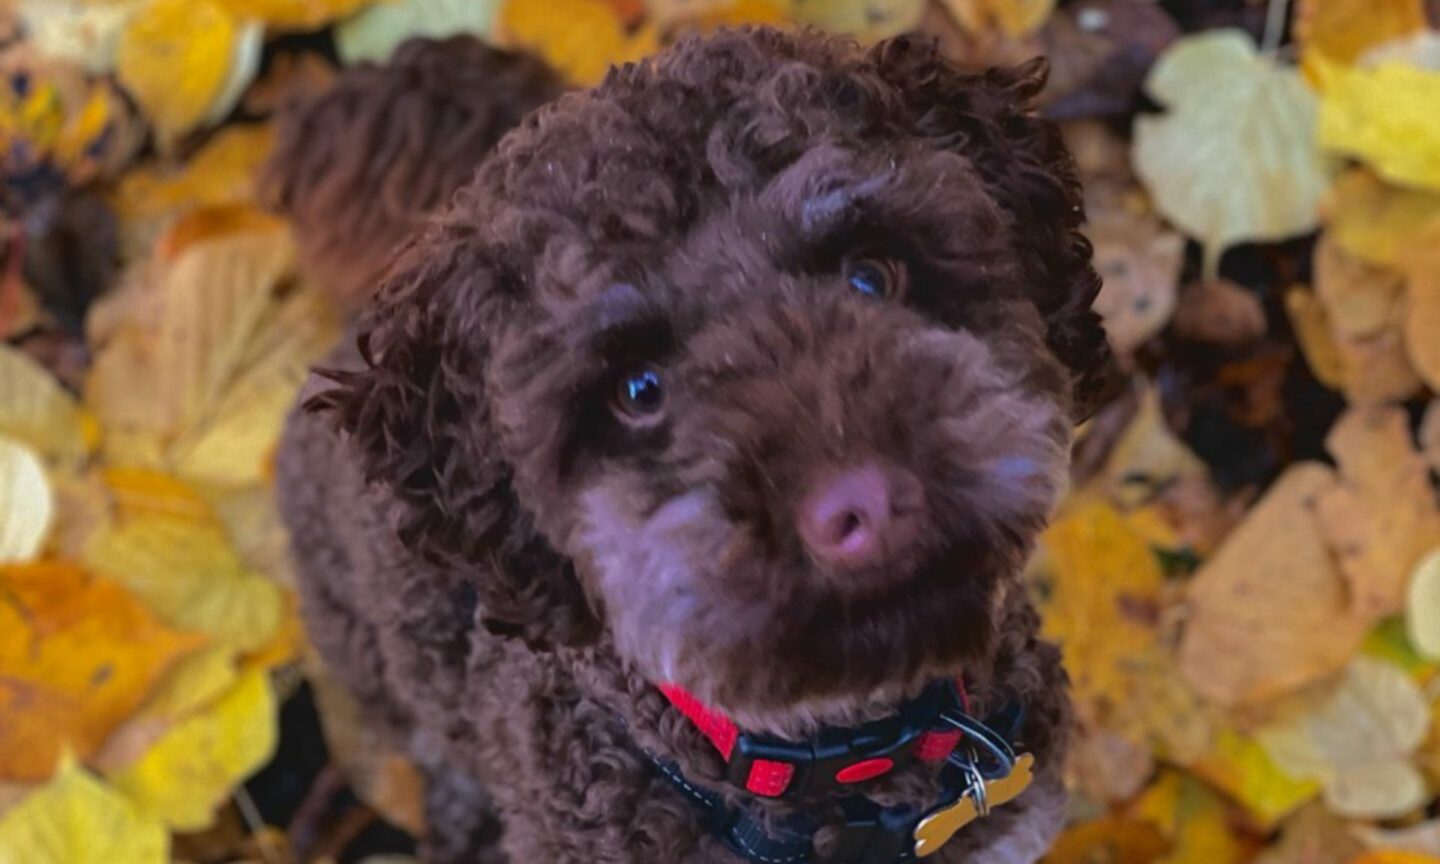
x=27 y=505
x=220 y=174
x=1219 y=312
x=1099 y=53
x=1342 y=30
x=36 y=410
x=1239 y=766
x=1422 y=606
x=867 y=19
x=175 y=57
x=1358 y=742
x=1422 y=319
x=1315 y=335
x=1379 y=222
x=1361 y=298
x=192 y=769
x=1232 y=159
x=1193 y=819
x=185 y=571
x=1382 y=516
x=580 y=38
x=76 y=819
x=1422 y=838
x=1395 y=856
x=379 y=28
x=1148 y=457
x=292 y=14
x=77 y=656
x=1111 y=840
x=1103 y=577
x=1014 y=18
x=1384 y=116
x=1259 y=601
x=1140 y=262
x=1312 y=836
x=81 y=32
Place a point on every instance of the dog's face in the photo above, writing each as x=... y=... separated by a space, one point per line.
x=778 y=404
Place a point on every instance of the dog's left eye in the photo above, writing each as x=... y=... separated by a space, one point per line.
x=883 y=278
x=639 y=395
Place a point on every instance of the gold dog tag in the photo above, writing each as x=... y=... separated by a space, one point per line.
x=936 y=829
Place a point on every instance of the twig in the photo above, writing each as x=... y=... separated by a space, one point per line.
x=1275 y=14
x=251 y=814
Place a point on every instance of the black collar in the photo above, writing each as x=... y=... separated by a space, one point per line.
x=870 y=833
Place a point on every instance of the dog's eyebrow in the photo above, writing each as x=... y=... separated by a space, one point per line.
x=825 y=211
x=618 y=316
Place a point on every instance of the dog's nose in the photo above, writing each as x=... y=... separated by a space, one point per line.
x=846 y=518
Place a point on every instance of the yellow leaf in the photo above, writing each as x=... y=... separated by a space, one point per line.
x=175 y=59
x=1422 y=606
x=1394 y=856
x=76 y=819
x=1387 y=116
x=708 y=15
x=1358 y=742
x=1311 y=323
x=185 y=571
x=36 y=410
x=1379 y=222
x=1240 y=767
x=77 y=656
x=1112 y=840
x=292 y=14
x=1383 y=515
x=220 y=174
x=1342 y=30
x=1259 y=601
x=1104 y=577
x=1014 y=18
x=189 y=772
x=1362 y=298
x=1232 y=159
x=866 y=19
x=27 y=506
x=1193 y=818
x=580 y=38
x=196 y=681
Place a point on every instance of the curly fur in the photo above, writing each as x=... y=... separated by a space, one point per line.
x=503 y=569
x=357 y=166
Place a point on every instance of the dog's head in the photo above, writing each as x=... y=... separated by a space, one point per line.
x=761 y=360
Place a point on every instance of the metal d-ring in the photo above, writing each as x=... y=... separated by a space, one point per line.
x=987 y=739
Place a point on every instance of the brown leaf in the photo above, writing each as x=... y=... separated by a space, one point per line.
x=1139 y=260
x=1259 y=602
x=1361 y=299
x=1219 y=312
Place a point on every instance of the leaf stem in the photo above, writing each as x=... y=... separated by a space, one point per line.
x=1274 y=32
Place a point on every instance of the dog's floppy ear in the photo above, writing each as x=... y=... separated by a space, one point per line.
x=418 y=418
x=991 y=119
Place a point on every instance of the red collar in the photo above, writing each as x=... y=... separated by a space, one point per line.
x=833 y=759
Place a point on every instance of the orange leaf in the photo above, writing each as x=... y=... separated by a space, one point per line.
x=77 y=655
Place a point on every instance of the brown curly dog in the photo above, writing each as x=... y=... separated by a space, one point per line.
x=358 y=165
x=674 y=508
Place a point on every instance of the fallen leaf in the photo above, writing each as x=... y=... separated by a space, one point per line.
x=1148 y=457
x=76 y=819
x=1383 y=115
x=82 y=32
x=1361 y=298
x=1312 y=836
x=1395 y=856
x=220 y=174
x=1378 y=221
x=36 y=410
x=1101 y=568
x=1358 y=741
x=185 y=571
x=1314 y=333
x=379 y=28
x=1140 y=262
x=1109 y=840
x=175 y=58
x=1239 y=766
x=1430 y=435
x=1099 y=53
x=1106 y=766
x=1382 y=516
x=1422 y=837
x=1232 y=159
x=77 y=656
x=292 y=14
x=1014 y=18
x=1422 y=606
x=27 y=505
x=1343 y=30
x=1219 y=312
x=1193 y=819
x=1259 y=601
x=192 y=769
x=582 y=39
x=1422 y=320
x=707 y=15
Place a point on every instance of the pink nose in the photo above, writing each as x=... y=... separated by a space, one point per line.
x=846 y=518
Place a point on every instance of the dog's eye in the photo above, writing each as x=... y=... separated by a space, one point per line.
x=639 y=395
x=876 y=277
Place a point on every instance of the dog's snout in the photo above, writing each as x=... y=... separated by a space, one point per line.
x=851 y=517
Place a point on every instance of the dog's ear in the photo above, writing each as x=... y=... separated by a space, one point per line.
x=418 y=418
x=991 y=118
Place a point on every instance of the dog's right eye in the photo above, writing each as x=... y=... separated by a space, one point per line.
x=639 y=396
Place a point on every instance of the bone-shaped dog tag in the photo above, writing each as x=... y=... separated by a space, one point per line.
x=936 y=829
